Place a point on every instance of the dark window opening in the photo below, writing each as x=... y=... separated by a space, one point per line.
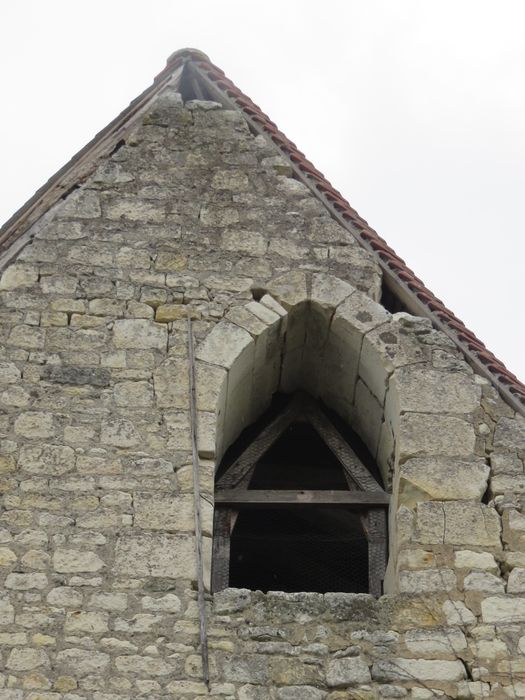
x=310 y=550
x=297 y=508
x=390 y=301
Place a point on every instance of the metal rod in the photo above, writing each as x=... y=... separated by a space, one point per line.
x=203 y=623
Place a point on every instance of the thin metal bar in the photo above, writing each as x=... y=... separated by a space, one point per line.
x=203 y=623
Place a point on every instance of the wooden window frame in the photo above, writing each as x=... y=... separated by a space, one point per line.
x=232 y=494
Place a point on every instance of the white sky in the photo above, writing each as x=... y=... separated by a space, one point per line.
x=414 y=109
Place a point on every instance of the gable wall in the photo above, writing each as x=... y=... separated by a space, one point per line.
x=96 y=541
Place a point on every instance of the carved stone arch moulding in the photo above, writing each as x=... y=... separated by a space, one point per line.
x=396 y=381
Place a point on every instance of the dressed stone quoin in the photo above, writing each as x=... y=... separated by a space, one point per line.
x=245 y=452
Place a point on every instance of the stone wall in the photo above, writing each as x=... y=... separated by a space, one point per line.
x=194 y=216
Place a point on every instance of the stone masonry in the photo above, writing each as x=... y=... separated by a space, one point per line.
x=194 y=216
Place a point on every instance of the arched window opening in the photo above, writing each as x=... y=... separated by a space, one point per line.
x=297 y=510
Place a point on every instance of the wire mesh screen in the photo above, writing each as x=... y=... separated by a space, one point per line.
x=316 y=549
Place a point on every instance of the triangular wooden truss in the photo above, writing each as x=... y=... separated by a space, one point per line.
x=364 y=492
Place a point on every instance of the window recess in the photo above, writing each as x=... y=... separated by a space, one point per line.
x=298 y=510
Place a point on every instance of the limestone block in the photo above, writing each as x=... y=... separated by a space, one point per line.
x=109 y=601
x=505 y=464
x=128 y=209
x=27 y=337
x=84 y=622
x=19 y=275
x=503 y=609
x=510 y=434
x=25 y=582
x=369 y=416
x=328 y=291
x=507 y=483
x=155 y=555
x=458 y=523
x=83 y=661
x=438 y=479
x=514 y=529
x=347 y=671
x=171 y=382
x=218 y=216
x=174 y=312
x=423 y=434
x=54 y=460
x=286 y=248
x=448 y=643
x=169 y=603
x=9 y=373
x=483 y=581
x=466 y=559
x=426 y=581
x=417 y=670
x=133 y=394
x=119 y=433
x=76 y=561
x=270 y=303
x=64 y=596
x=148 y=665
x=7 y=464
x=416 y=559
x=139 y=334
x=224 y=345
x=244 y=318
x=249 y=242
x=26 y=659
x=385 y=348
x=516 y=582
x=210 y=385
x=178 y=426
x=426 y=390
x=7 y=556
x=7 y=612
x=170 y=513
x=170 y=261
x=81 y=204
x=289 y=289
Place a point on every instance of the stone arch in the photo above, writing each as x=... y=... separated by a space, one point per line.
x=316 y=332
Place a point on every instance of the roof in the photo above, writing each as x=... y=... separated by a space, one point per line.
x=196 y=76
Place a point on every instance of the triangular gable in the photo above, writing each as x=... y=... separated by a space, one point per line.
x=193 y=74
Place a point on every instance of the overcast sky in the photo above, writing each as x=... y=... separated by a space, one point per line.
x=413 y=109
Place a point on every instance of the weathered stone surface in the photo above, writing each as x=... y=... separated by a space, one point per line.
x=76 y=561
x=84 y=622
x=76 y=376
x=458 y=523
x=26 y=659
x=510 y=433
x=349 y=671
x=9 y=373
x=168 y=603
x=516 y=582
x=139 y=334
x=120 y=433
x=442 y=480
x=155 y=555
x=145 y=665
x=433 y=434
x=35 y=424
x=427 y=581
x=53 y=460
x=502 y=609
x=466 y=559
x=133 y=394
x=418 y=670
x=483 y=581
x=83 y=661
x=25 y=582
x=19 y=275
x=424 y=390
x=446 y=643
x=224 y=344
x=64 y=596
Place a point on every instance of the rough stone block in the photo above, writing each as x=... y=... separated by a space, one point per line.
x=155 y=555
x=423 y=434
x=347 y=671
x=139 y=334
x=76 y=561
x=458 y=523
x=510 y=434
x=83 y=661
x=448 y=643
x=429 y=580
x=19 y=275
x=503 y=609
x=224 y=345
x=417 y=670
x=54 y=460
x=440 y=479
